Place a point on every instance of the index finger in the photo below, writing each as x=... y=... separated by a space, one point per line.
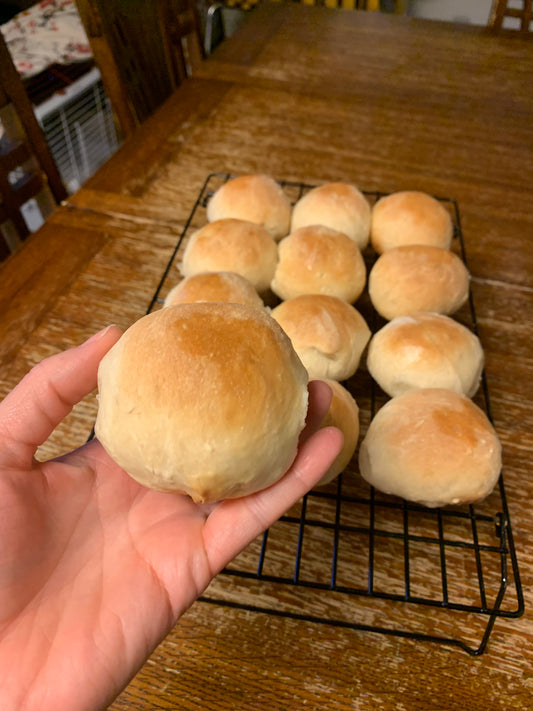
x=34 y=408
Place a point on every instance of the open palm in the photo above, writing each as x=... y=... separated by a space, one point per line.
x=95 y=569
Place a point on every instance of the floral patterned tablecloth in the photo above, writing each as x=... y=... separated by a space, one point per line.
x=49 y=32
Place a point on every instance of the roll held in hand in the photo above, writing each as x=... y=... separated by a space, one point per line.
x=206 y=399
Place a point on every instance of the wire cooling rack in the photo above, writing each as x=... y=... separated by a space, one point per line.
x=349 y=556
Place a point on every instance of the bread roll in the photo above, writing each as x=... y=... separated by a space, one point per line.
x=203 y=399
x=343 y=413
x=431 y=446
x=235 y=246
x=340 y=206
x=319 y=260
x=328 y=334
x=425 y=350
x=214 y=286
x=410 y=217
x=255 y=198
x=417 y=277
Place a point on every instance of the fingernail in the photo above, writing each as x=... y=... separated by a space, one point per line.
x=99 y=335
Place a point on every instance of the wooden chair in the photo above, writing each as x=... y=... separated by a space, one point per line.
x=27 y=169
x=144 y=49
x=507 y=8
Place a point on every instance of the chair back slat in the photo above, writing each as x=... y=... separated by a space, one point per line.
x=144 y=49
x=521 y=10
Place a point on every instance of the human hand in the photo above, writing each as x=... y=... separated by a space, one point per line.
x=95 y=569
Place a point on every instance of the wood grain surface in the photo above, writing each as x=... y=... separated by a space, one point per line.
x=309 y=94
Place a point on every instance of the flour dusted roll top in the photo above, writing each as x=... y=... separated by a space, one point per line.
x=319 y=260
x=214 y=286
x=431 y=446
x=418 y=277
x=343 y=413
x=328 y=334
x=204 y=399
x=425 y=350
x=410 y=217
x=256 y=198
x=232 y=245
x=340 y=206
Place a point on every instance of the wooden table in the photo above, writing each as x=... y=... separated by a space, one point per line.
x=308 y=94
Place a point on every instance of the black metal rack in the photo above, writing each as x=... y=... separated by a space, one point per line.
x=349 y=556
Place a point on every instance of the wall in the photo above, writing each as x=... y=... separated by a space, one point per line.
x=475 y=12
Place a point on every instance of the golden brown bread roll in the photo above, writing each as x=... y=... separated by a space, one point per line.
x=425 y=350
x=431 y=446
x=410 y=217
x=328 y=334
x=255 y=198
x=340 y=206
x=343 y=413
x=232 y=245
x=319 y=260
x=214 y=286
x=418 y=277
x=205 y=399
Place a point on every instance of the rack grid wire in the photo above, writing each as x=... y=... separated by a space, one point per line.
x=347 y=555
